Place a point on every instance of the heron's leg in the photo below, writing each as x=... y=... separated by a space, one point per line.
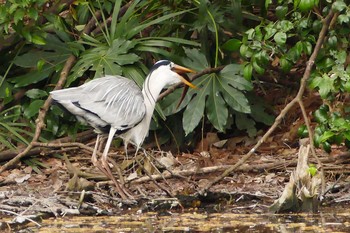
x=126 y=150
x=101 y=142
x=122 y=192
x=93 y=157
x=105 y=151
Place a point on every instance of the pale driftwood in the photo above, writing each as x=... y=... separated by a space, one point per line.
x=301 y=192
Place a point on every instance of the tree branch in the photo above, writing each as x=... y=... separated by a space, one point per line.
x=297 y=99
x=40 y=121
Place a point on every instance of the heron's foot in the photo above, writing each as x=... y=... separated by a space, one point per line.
x=120 y=189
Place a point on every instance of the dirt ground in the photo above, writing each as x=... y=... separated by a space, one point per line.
x=53 y=185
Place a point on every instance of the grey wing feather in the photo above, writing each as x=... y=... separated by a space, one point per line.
x=111 y=100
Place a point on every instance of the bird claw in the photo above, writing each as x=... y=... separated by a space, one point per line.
x=103 y=166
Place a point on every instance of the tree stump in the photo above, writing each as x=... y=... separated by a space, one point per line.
x=301 y=192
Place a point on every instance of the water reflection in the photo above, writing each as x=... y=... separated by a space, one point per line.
x=335 y=220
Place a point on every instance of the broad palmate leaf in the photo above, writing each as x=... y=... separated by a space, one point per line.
x=105 y=60
x=219 y=95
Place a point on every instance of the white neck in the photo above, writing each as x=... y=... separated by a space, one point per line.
x=151 y=90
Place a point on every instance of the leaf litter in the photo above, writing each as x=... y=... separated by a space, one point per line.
x=58 y=191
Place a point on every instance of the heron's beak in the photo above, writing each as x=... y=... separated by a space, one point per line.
x=181 y=70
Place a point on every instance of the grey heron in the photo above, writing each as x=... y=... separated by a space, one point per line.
x=117 y=106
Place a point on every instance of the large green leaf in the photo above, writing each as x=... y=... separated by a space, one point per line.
x=33 y=108
x=115 y=16
x=36 y=93
x=231 y=83
x=136 y=72
x=235 y=99
x=258 y=110
x=324 y=83
x=195 y=109
x=231 y=75
x=166 y=41
x=126 y=22
x=217 y=111
x=33 y=77
x=220 y=92
x=195 y=59
x=51 y=58
x=154 y=50
x=170 y=102
x=105 y=60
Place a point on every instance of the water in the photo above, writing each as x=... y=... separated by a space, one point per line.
x=329 y=220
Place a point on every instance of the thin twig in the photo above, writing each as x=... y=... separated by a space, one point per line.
x=283 y=113
x=19 y=215
x=154 y=181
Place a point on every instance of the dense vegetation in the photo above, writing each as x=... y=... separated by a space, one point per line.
x=235 y=44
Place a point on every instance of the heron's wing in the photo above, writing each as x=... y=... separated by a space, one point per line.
x=109 y=101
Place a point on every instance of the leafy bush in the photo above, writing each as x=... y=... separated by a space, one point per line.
x=12 y=131
x=130 y=36
x=23 y=17
x=290 y=39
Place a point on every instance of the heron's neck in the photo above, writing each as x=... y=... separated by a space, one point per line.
x=151 y=90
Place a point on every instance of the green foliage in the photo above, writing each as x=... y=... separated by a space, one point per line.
x=312 y=170
x=22 y=17
x=331 y=78
x=38 y=36
x=285 y=42
x=12 y=130
x=305 y=5
x=219 y=96
x=120 y=44
x=44 y=61
x=268 y=41
x=333 y=128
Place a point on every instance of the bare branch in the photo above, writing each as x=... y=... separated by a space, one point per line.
x=40 y=121
x=283 y=113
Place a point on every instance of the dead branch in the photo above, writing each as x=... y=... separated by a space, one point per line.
x=80 y=137
x=20 y=216
x=275 y=166
x=7 y=155
x=68 y=144
x=213 y=169
x=297 y=99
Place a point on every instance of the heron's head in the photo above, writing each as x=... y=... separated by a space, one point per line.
x=170 y=73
